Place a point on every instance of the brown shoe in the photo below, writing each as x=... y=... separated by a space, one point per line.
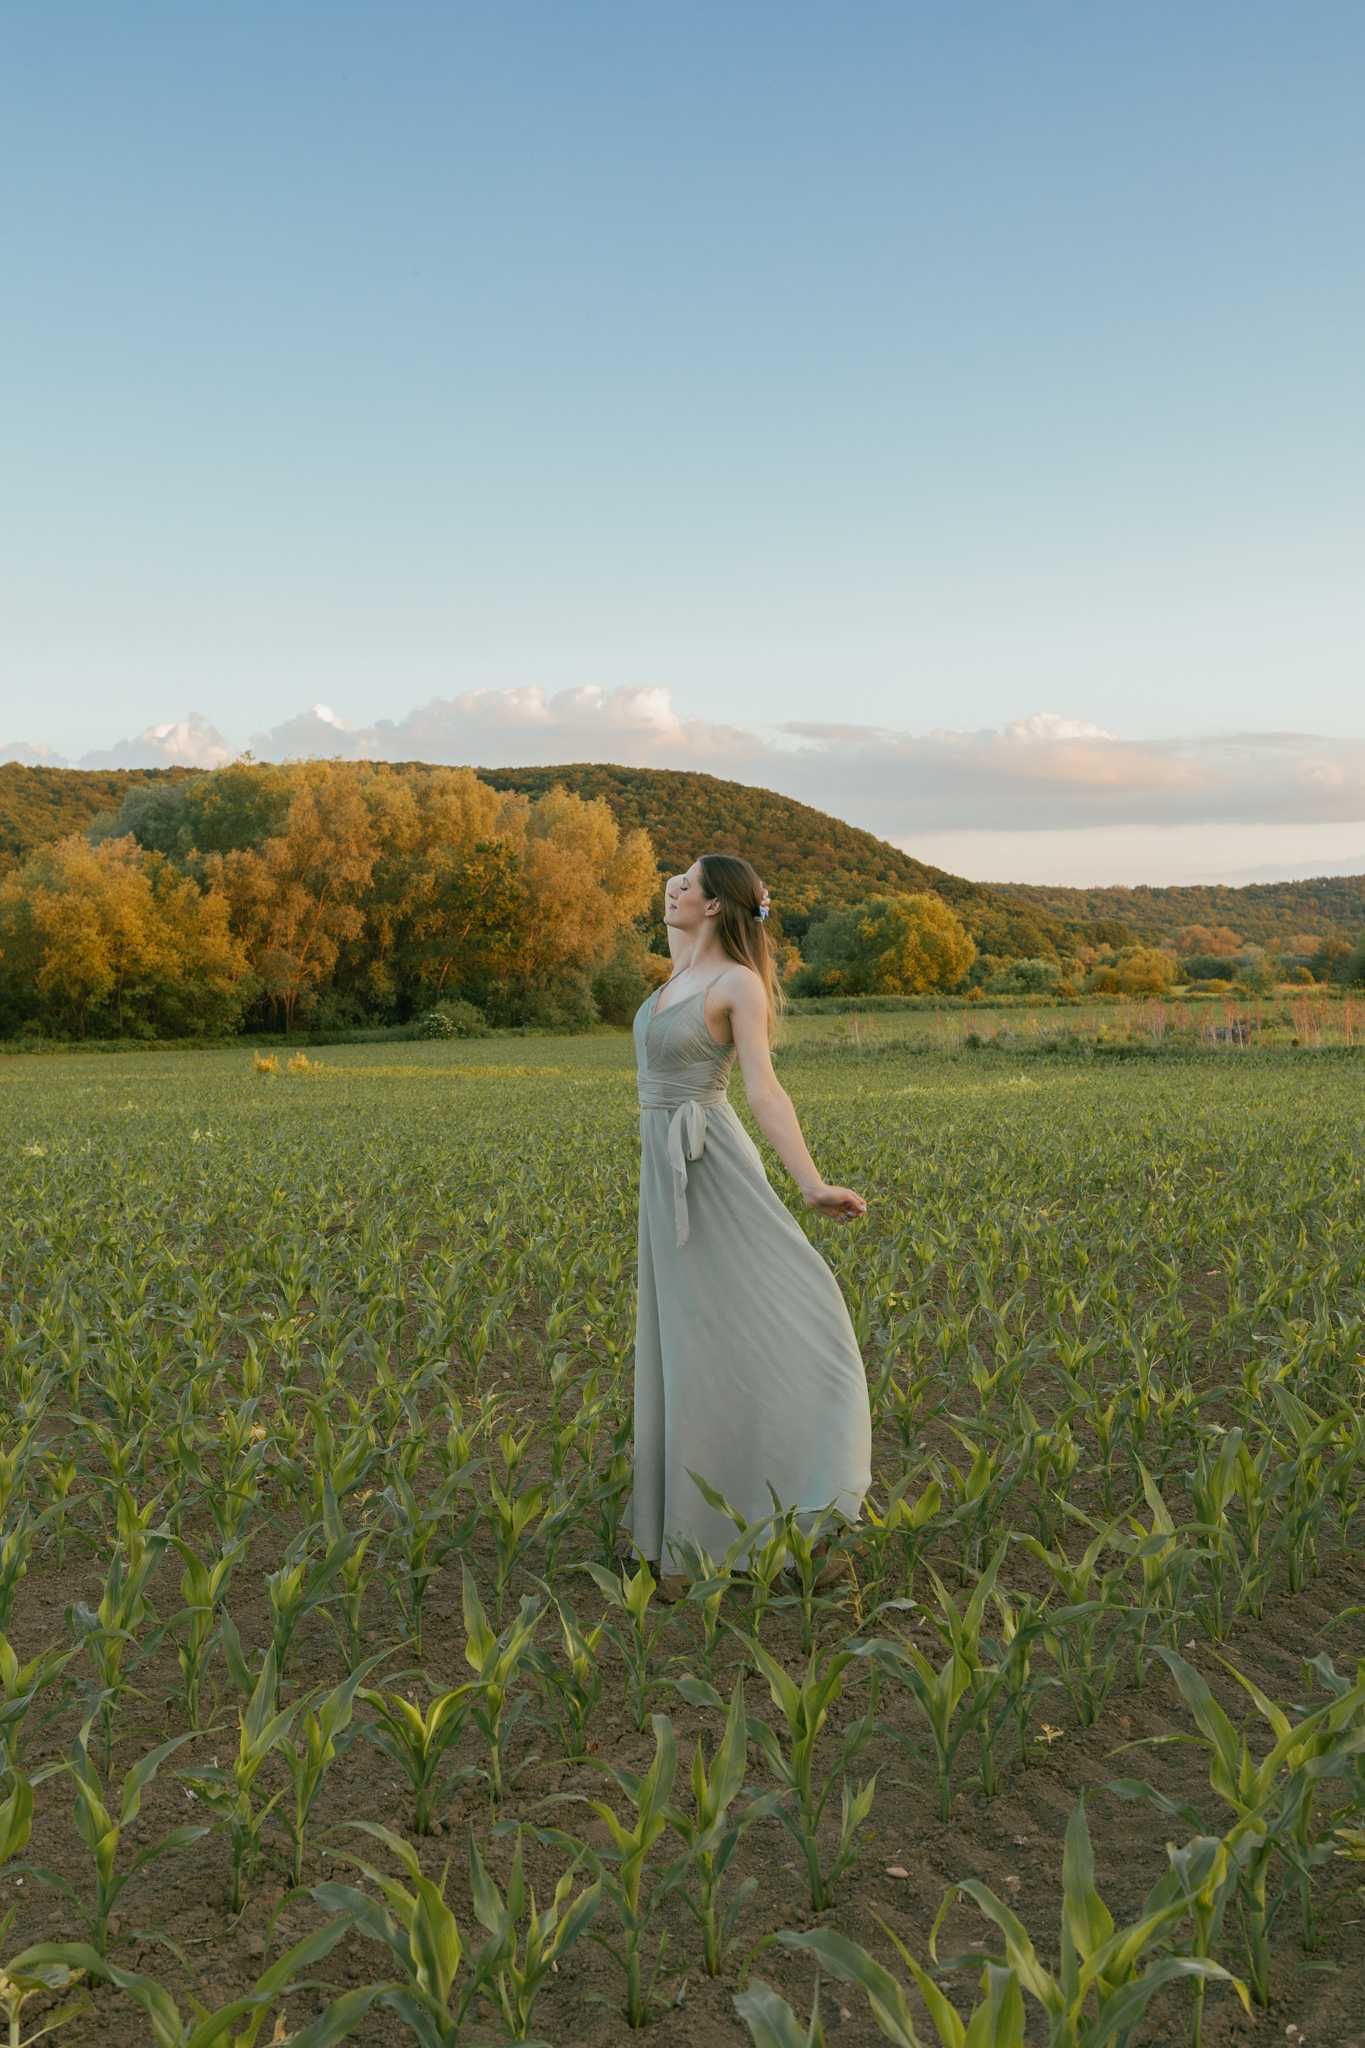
x=671 y=1586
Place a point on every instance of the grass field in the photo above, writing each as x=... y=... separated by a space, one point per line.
x=315 y=1391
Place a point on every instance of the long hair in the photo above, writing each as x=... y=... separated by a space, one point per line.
x=743 y=933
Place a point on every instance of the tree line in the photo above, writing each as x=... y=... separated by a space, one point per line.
x=259 y=897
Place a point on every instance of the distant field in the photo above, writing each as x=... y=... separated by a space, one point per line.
x=360 y=1338
x=1310 y=1018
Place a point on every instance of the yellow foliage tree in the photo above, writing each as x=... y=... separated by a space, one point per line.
x=115 y=935
x=298 y=897
x=1144 y=970
x=914 y=943
x=583 y=880
x=1210 y=938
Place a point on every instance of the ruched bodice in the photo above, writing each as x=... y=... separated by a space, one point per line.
x=679 y=1067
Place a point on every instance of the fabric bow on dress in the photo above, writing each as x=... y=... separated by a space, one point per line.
x=686 y=1140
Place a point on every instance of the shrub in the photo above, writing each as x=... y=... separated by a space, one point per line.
x=338 y=1010
x=1025 y=978
x=453 y=1019
x=1138 y=970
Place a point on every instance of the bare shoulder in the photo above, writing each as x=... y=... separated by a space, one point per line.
x=735 y=1001
x=742 y=1001
x=738 y=984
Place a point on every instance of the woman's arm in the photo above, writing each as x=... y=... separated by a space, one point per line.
x=747 y=1007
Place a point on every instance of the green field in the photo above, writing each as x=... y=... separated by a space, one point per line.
x=316 y=1405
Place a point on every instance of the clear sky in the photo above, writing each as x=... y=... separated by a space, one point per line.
x=786 y=390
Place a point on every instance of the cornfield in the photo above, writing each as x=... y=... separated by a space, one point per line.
x=329 y=1711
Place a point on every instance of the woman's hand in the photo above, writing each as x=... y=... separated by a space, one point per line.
x=841 y=1203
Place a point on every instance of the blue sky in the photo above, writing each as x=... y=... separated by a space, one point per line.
x=868 y=370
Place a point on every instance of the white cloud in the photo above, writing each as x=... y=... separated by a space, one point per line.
x=189 y=742
x=521 y=727
x=1046 y=778
x=31 y=756
x=1047 y=725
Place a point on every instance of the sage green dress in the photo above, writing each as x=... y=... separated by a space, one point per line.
x=746 y=1364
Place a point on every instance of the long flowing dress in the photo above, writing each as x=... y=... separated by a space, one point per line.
x=747 y=1369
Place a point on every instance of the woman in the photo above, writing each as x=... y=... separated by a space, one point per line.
x=747 y=1370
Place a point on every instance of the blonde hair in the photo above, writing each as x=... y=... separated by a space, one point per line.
x=743 y=933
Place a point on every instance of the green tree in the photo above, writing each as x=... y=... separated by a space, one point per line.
x=890 y=945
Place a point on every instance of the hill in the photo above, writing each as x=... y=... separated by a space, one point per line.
x=41 y=804
x=1263 y=913
x=813 y=859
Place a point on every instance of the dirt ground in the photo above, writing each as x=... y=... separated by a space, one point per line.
x=907 y=1857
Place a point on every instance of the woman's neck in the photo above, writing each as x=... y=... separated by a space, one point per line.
x=703 y=960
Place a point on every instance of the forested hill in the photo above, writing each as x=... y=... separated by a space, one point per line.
x=1262 y=913
x=813 y=859
x=38 y=805
x=808 y=857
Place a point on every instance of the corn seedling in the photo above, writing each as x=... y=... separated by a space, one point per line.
x=303 y=1582
x=1106 y=1976
x=1087 y=1646
x=418 y=1927
x=511 y=1514
x=806 y=1560
x=323 y=1732
x=941 y=1691
x=771 y=2021
x=41 y=1972
x=765 y=1556
x=998 y=2022
x=711 y=1579
x=629 y=1594
x=229 y=1791
x=107 y=1631
x=1272 y=1798
x=417 y=1740
x=901 y=1521
x=1166 y=1561
x=201 y=1588
x=20 y=1685
x=497 y=1660
x=234 y=2025
x=102 y=1827
x=804 y=1705
x=621 y=1864
x=1025 y=1622
x=712 y=1831
x=577 y=1680
x=16 y=1817
x=421 y=1538
x=517 y=1961
x=1204 y=1875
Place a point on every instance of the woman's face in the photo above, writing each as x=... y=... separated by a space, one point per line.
x=684 y=903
